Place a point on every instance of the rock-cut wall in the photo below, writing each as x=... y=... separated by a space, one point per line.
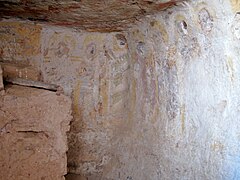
x=158 y=101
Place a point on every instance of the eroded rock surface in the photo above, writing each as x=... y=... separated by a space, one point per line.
x=1 y=79
x=160 y=101
x=92 y=15
x=33 y=141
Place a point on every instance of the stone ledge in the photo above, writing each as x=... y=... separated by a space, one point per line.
x=33 y=141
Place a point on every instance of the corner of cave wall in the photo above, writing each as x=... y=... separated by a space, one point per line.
x=93 y=69
x=158 y=101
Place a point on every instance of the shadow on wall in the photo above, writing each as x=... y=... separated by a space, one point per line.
x=79 y=177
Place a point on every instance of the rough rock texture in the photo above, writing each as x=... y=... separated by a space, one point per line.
x=160 y=101
x=93 y=68
x=92 y=15
x=20 y=71
x=1 y=79
x=20 y=42
x=33 y=141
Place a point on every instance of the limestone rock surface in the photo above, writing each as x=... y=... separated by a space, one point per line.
x=33 y=141
x=92 y=15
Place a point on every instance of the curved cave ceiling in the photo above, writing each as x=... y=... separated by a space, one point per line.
x=90 y=15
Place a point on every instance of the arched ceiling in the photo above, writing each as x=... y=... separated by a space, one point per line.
x=91 y=15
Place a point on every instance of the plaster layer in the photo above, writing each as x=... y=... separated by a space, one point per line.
x=185 y=76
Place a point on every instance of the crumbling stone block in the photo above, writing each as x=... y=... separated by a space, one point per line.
x=33 y=141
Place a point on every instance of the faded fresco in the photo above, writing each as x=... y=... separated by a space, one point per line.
x=159 y=100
